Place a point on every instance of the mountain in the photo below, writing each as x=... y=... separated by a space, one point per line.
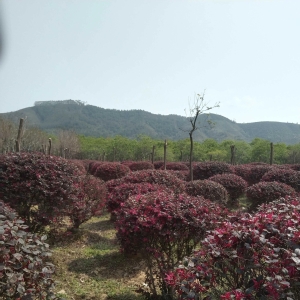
x=90 y=120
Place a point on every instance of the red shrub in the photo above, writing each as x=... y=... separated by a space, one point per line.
x=252 y=173
x=93 y=165
x=234 y=184
x=86 y=164
x=182 y=175
x=287 y=176
x=295 y=167
x=43 y=189
x=208 y=189
x=248 y=257
x=121 y=192
x=205 y=170
x=139 y=165
x=90 y=202
x=25 y=270
x=176 y=166
x=164 y=227
x=109 y=171
x=158 y=164
x=264 y=192
x=79 y=164
x=166 y=178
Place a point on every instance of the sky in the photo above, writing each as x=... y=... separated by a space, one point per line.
x=154 y=55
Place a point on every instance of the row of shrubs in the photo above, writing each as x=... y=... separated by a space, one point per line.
x=251 y=173
x=160 y=210
x=45 y=190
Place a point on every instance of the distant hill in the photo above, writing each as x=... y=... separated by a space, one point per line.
x=96 y=121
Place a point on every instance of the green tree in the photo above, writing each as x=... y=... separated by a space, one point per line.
x=260 y=150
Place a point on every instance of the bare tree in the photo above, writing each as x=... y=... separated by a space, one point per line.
x=69 y=144
x=198 y=108
x=7 y=135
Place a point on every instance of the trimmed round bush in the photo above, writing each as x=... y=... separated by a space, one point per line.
x=139 y=165
x=90 y=202
x=247 y=257
x=25 y=269
x=45 y=189
x=287 y=176
x=209 y=189
x=234 y=184
x=264 y=192
x=252 y=173
x=109 y=171
x=163 y=227
x=205 y=170
x=162 y=177
x=120 y=193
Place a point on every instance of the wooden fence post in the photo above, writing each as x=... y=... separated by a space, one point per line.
x=20 y=131
x=152 y=157
x=232 y=149
x=271 y=153
x=165 y=155
x=50 y=144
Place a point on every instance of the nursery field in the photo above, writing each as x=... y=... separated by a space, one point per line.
x=91 y=266
x=79 y=229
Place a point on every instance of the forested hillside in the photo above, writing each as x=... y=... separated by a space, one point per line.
x=89 y=120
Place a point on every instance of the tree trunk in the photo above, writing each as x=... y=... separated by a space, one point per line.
x=191 y=157
x=165 y=155
x=271 y=153
x=18 y=140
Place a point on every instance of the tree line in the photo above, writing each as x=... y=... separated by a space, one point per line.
x=119 y=148
x=68 y=144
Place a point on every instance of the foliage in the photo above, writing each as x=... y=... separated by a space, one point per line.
x=163 y=227
x=252 y=173
x=120 y=193
x=208 y=189
x=295 y=167
x=93 y=165
x=166 y=178
x=138 y=165
x=176 y=166
x=158 y=164
x=109 y=171
x=80 y=165
x=248 y=257
x=234 y=184
x=264 y=192
x=90 y=202
x=45 y=189
x=204 y=170
x=287 y=176
x=25 y=270
x=182 y=175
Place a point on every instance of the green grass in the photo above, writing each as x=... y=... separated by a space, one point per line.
x=92 y=267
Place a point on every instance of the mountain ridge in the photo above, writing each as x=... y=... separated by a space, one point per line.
x=90 y=120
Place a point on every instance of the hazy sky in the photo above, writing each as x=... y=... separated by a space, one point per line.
x=154 y=55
